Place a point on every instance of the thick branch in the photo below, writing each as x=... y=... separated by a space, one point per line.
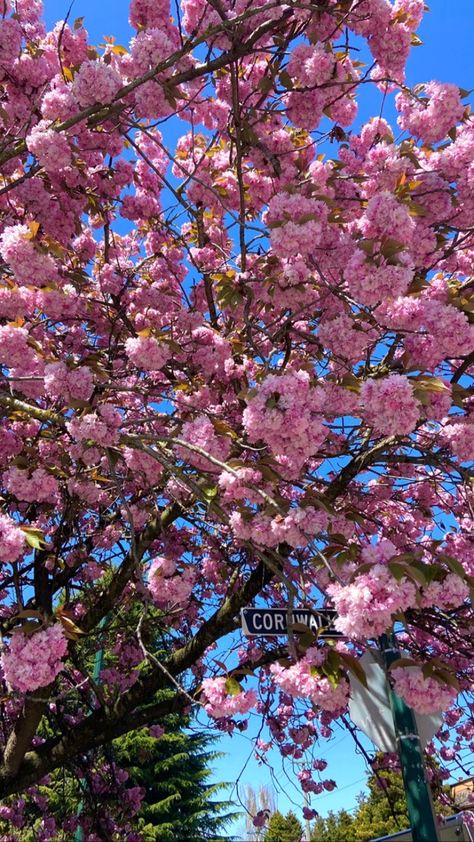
x=103 y=725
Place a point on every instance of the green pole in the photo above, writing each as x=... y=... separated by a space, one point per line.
x=423 y=822
x=98 y=665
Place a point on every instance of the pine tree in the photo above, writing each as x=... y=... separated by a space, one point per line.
x=283 y=828
x=381 y=811
x=174 y=771
x=336 y=827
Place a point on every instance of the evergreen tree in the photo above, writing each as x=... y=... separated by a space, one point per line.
x=336 y=827
x=283 y=828
x=174 y=770
x=381 y=811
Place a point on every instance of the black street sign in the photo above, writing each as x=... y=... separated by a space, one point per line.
x=274 y=621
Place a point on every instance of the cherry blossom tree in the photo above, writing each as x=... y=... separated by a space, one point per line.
x=237 y=366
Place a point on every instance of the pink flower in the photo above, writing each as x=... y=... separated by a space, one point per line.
x=220 y=703
x=148 y=12
x=70 y=384
x=201 y=432
x=28 y=263
x=424 y=695
x=295 y=223
x=147 y=353
x=167 y=586
x=302 y=680
x=33 y=661
x=386 y=217
x=389 y=405
x=95 y=82
x=365 y=608
x=51 y=148
x=430 y=118
x=371 y=282
x=286 y=414
x=144 y=464
x=460 y=437
x=10 y=44
x=39 y=487
x=14 y=348
x=156 y=731
x=12 y=539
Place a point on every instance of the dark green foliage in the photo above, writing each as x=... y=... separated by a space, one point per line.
x=380 y=812
x=336 y=827
x=174 y=770
x=283 y=828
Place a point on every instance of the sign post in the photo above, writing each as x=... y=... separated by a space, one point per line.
x=424 y=827
x=264 y=622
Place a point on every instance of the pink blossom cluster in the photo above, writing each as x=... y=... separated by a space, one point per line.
x=167 y=586
x=95 y=82
x=311 y=65
x=436 y=329
x=285 y=414
x=450 y=593
x=297 y=528
x=220 y=703
x=295 y=223
x=100 y=427
x=241 y=484
x=147 y=353
x=213 y=353
x=144 y=13
x=302 y=680
x=424 y=695
x=142 y=463
x=10 y=44
x=39 y=486
x=201 y=433
x=370 y=282
x=50 y=148
x=60 y=381
x=14 y=348
x=432 y=116
x=147 y=49
x=389 y=405
x=12 y=540
x=33 y=661
x=29 y=264
x=385 y=216
x=460 y=438
x=346 y=337
x=366 y=607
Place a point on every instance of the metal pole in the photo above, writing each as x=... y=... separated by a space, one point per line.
x=307 y=824
x=424 y=826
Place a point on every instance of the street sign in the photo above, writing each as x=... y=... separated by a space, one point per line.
x=370 y=709
x=257 y=622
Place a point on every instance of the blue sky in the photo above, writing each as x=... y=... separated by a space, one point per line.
x=446 y=55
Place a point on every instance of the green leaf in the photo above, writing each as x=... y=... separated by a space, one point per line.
x=353 y=665
x=397 y=570
x=232 y=686
x=453 y=564
x=265 y=85
x=34 y=537
x=286 y=80
x=403 y=662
